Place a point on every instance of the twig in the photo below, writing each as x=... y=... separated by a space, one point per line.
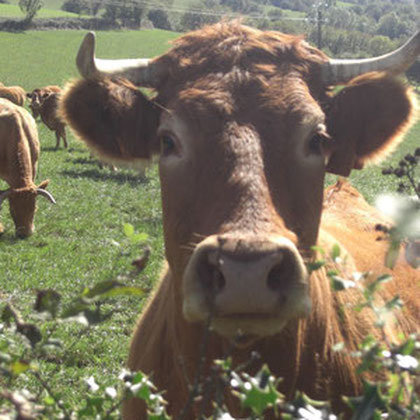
x=202 y=353
x=51 y=393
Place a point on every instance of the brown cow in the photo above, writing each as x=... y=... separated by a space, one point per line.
x=246 y=127
x=37 y=95
x=44 y=102
x=15 y=94
x=19 y=151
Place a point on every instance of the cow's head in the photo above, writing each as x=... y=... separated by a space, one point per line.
x=23 y=206
x=35 y=101
x=38 y=96
x=245 y=127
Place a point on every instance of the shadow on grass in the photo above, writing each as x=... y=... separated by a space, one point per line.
x=102 y=175
x=9 y=237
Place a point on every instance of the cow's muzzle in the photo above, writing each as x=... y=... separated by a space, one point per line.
x=249 y=286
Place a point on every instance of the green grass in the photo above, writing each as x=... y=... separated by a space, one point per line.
x=47 y=4
x=13 y=11
x=80 y=240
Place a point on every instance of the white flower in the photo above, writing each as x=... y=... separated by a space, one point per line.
x=309 y=413
x=234 y=383
x=111 y=392
x=386 y=353
x=225 y=416
x=123 y=374
x=92 y=384
x=357 y=276
x=406 y=362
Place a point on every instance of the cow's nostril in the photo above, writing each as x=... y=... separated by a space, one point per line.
x=282 y=274
x=276 y=279
x=211 y=277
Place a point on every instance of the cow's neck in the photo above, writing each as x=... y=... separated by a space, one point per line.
x=21 y=173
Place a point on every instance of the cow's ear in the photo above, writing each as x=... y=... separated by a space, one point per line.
x=112 y=117
x=367 y=120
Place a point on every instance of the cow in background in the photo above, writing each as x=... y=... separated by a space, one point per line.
x=19 y=152
x=44 y=102
x=36 y=97
x=15 y=94
x=246 y=125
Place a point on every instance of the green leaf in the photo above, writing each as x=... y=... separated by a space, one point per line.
x=48 y=400
x=335 y=252
x=128 y=230
x=319 y=249
x=19 y=367
x=392 y=254
x=339 y=284
x=384 y=278
x=111 y=288
x=365 y=407
x=315 y=265
x=139 y=238
x=260 y=392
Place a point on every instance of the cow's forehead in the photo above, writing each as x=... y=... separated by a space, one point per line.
x=285 y=100
x=223 y=46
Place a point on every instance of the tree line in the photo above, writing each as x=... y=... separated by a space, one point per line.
x=355 y=28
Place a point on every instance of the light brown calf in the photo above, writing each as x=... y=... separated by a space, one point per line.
x=19 y=152
x=44 y=102
x=246 y=127
x=37 y=95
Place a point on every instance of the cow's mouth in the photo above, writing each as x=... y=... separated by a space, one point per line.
x=243 y=330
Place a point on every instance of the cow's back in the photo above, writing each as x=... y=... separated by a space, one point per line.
x=15 y=94
x=351 y=222
x=48 y=111
x=18 y=139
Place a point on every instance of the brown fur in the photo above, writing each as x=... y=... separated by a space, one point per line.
x=19 y=152
x=249 y=101
x=50 y=117
x=15 y=94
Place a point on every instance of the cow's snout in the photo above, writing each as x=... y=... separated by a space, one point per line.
x=23 y=232
x=248 y=285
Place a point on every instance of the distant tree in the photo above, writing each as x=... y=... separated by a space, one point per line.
x=128 y=13
x=379 y=45
x=413 y=72
x=199 y=15
x=30 y=8
x=274 y=14
x=241 y=6
x=95 y=6
x=390 y=25
x=159 y=18
x=75 y=6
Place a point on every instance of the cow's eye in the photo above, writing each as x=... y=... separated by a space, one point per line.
x=167 y=144
x=318 y=142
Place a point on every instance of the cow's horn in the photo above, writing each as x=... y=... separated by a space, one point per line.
x=46 y=194
x=141 y=72
x=3 y=195
x=338 y=71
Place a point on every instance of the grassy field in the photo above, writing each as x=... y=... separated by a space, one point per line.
x=80 y=240
x=13 y=11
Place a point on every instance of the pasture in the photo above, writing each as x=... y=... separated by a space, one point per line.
x=80 y=240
